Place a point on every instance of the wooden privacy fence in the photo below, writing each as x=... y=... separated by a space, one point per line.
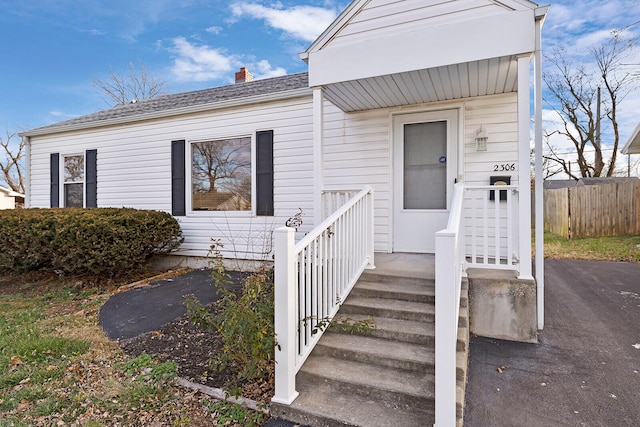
x=593 y=210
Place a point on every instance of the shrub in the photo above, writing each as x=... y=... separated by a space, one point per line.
x=245 y=325
x=104 y=241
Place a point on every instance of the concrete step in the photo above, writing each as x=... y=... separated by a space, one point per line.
x=394 y=386
x=462 y=358
x=380 y=277
x=462 y=344
x=395 y=309
x=384 y=377
x=319 y=406
x=411 y=291
x=396 y=329
x=377 y=352
x=463 y=316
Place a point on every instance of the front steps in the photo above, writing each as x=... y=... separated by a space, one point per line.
x=382 y=378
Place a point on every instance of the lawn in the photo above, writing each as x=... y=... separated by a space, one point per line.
x=58 y=368
x=626 y=248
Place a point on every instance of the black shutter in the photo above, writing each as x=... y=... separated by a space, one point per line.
x=54 y=192
x=178 y=203
x=264 y=173
x=91 y=181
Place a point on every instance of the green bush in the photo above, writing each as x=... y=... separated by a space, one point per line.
x=105 y=241
x=245 y=326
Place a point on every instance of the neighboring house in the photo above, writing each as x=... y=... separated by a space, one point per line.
x=10 y=199
x=632 y=146
x=553 y=184
x=425 y=102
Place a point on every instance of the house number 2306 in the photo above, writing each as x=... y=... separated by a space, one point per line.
x=504 y=167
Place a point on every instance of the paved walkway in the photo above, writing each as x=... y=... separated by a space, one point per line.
x=139 y=310
x=585 y=371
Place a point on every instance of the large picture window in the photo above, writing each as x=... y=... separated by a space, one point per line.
x=221 y=175
x=74 y=177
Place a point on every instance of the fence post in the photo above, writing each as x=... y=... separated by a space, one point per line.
x=285 y=322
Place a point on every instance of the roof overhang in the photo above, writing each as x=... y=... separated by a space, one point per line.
x=451 y=61
x=632 y=146
x=425 y=48
x=463 y=80
x=10 y=193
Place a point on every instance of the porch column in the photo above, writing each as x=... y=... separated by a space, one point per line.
x=524 y=184
x=539 y=202
x=318 y=163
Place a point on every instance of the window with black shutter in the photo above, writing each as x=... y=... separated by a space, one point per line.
x=178 y=191
x=264 y=173
x=91 y=181
x=55 y=180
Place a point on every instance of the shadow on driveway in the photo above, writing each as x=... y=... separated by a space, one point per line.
x=585 y=371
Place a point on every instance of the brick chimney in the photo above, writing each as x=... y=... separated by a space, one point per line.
x=243 y=76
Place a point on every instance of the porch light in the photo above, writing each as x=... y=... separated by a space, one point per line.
x=481 y=139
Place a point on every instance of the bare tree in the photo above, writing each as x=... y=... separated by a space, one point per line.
x=574 y=92
x=220 y=165
x=135 y=84
x=11 y=161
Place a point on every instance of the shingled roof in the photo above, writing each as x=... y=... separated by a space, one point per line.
x=181 y=103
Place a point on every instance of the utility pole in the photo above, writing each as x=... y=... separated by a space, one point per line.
x=598 y=121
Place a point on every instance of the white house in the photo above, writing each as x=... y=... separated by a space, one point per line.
x=410 y=115
x=8 y=198
x=632 y=146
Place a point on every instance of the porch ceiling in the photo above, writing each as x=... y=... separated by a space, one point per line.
x=476 y=78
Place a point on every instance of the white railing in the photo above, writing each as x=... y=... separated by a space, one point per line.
x=490 y=220
x=449 y=265
x=332 y=200
x=480 y=233
x=312 y=279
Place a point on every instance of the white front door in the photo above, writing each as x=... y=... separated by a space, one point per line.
x=424 y=170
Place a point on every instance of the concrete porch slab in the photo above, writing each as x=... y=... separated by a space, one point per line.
x=421 y=266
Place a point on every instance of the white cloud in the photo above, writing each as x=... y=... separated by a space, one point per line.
x=214 y=30
x=200 y=63
x=301 y=22
x=265 y=70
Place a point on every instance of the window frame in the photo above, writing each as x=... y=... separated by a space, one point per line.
x=189 y=177
x=62 y=193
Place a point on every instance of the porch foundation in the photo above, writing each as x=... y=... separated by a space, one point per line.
x=502 y=306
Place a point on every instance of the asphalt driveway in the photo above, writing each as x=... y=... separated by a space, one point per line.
x=585 y=371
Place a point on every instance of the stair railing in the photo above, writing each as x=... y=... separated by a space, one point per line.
x=450 y=258
x=312 y=279
x=490 y=217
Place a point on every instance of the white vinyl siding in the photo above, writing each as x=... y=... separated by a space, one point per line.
x=383 y=18
x=357 y=149
x=135 y=163
x=497 y=114
x=356 y=154
x=135 y=169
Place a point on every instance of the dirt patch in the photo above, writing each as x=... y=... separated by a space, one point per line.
x=31 y=283
x=192 y=349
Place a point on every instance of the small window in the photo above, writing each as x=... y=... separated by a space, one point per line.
x=221 y=175
x=74 y=181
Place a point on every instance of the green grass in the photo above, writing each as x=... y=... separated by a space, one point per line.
x=626 y=248
x=56 y=366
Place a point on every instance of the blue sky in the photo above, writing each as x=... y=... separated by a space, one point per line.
x=52 y=50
